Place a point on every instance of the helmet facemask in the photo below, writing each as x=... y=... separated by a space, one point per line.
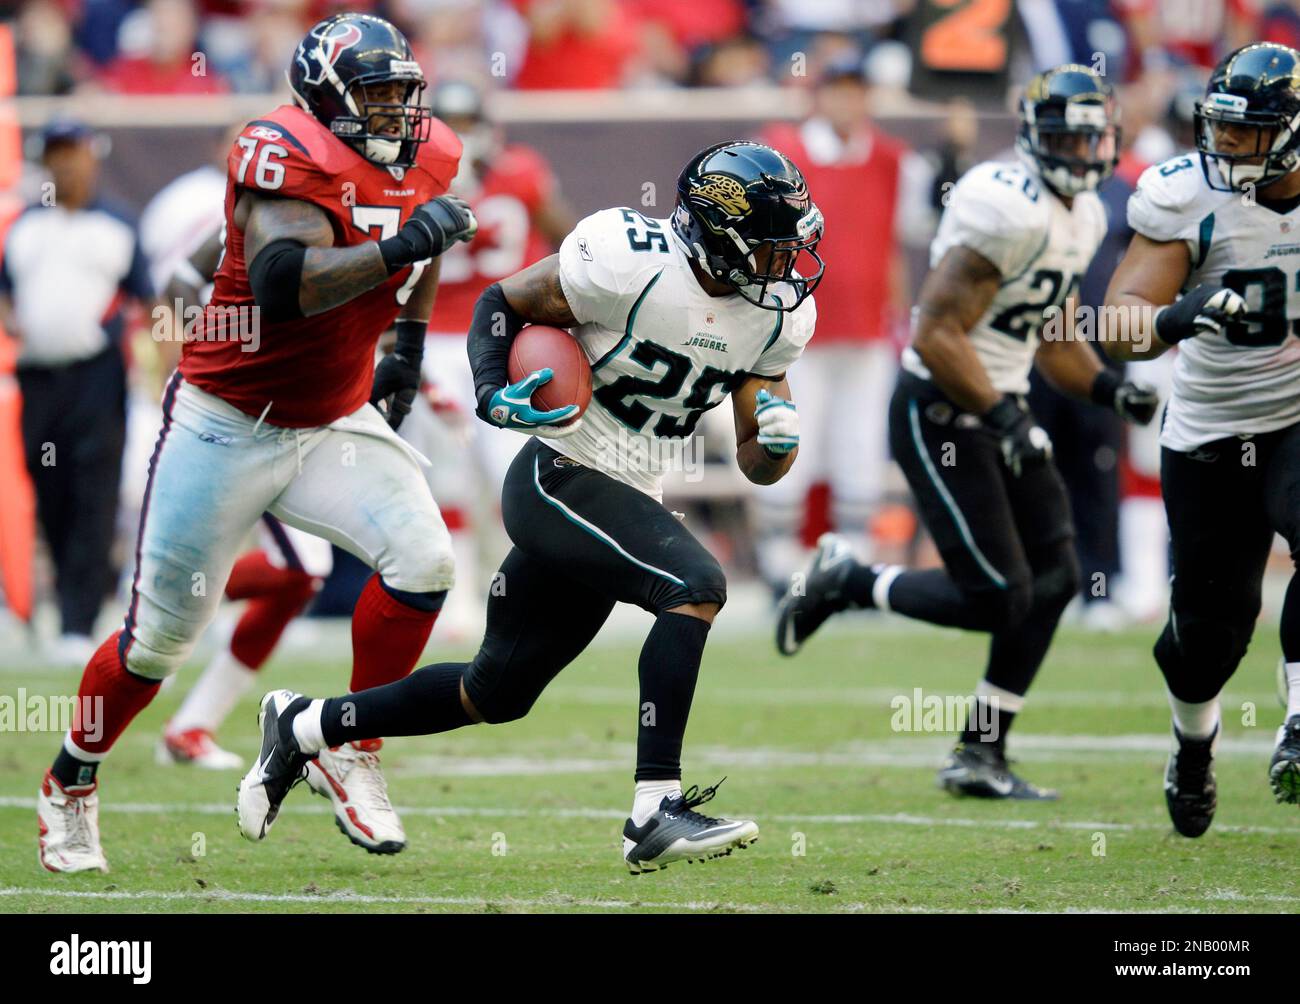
x=384 y=132
x=1264 y=146
x=1075 y=148
x=755 y=269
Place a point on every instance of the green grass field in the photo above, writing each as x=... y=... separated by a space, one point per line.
x=527 y=816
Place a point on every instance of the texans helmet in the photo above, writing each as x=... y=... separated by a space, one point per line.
x=1063 y=111
x=734 y=199
x=1252 y=106
x=332 y=68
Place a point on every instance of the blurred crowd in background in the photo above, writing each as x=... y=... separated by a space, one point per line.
x=148 y=47
x=885 y=129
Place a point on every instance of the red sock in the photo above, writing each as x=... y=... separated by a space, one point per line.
x=108 y=699
x=266 y=617
x=254 y=575
x=387 y=637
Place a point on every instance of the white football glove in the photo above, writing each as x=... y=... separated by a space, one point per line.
x=778 y=423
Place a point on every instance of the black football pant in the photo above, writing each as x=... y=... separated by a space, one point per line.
x=74 y=431
x=583 y=542
x=1006 y=542
x=1224 y=501
x=1086 y=445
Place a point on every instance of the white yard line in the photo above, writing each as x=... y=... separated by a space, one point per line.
x=353 y=899
x=314 y=808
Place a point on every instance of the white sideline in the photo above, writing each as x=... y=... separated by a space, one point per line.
x=839 y=819
x=349 y=898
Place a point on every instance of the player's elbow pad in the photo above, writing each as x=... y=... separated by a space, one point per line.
x=493 y=328
x=275 y=277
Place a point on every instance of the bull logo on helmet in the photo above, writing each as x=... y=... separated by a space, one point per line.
x=331 y=43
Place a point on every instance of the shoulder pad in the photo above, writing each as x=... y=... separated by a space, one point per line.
x=599 y=268
x=999 y=210
x=1171 y=199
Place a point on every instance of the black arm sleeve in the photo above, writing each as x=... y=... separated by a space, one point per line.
x=491 y=333
x=275 y=277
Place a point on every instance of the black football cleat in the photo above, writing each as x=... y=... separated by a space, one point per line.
x=677 y=833
x=279 y=765
x=1190 y=789
x=981 y=770
x=1284 y=768
x=808 y=603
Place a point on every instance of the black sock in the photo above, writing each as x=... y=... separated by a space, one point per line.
x=71 y=772
x=424 y=703
x=859 y=584
x=669 y=666
x=988 y=722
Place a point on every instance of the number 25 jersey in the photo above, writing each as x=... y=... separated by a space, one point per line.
x=662 y=350
x=1245 y=379
x=310 y=370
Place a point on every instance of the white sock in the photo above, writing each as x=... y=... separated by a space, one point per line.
x=307 y=727
x=1195 y=721
x=885 y=577
x=215 y=693
x=648 y=796
x=1292 y=689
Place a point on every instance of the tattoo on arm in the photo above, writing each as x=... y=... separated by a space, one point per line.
x=331 y=276
x=536 y=295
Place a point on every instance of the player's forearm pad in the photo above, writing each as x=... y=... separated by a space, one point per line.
x=275 y=277
x=493 y=328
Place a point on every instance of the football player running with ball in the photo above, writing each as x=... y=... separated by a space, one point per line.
x=1014 y=241
x=334 y=211
x=674 y=315
x=1213 y=268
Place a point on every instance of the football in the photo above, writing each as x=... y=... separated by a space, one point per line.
x=539 y=346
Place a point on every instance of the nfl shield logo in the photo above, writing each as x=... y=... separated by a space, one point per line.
x=1286 y=226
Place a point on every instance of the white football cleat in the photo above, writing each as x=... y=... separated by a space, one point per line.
x=280 y=765
x=69 y=826
x=676 y=832
x=197 y=748
x=350 y=778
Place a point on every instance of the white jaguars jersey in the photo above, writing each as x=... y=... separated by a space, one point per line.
x=1245 y=379
x=1003 y=212
x=662 y=350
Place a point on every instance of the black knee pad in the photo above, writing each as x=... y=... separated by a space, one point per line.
x=1058 y=583
x=702 y=581
x=1198 y=658
x=998 y=609
x=495 y=701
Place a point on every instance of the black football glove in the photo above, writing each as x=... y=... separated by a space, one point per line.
x=433 y=227
x=397 y=377
x=1204 y=310
x=1024 y=442
x=1133 y=402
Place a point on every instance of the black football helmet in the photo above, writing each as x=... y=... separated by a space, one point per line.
x=331 y=69
x=1057 y=108
x=736 y=198
x=1256 y=88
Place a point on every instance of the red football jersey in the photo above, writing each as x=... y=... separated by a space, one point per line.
x=858 y=200
x=311 y=370
x=516 y=186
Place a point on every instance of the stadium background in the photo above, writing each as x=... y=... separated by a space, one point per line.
x=614 y=107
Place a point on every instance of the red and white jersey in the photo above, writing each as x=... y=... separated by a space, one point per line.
x=857 y=190
x=506 y=201
x=310 y=370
